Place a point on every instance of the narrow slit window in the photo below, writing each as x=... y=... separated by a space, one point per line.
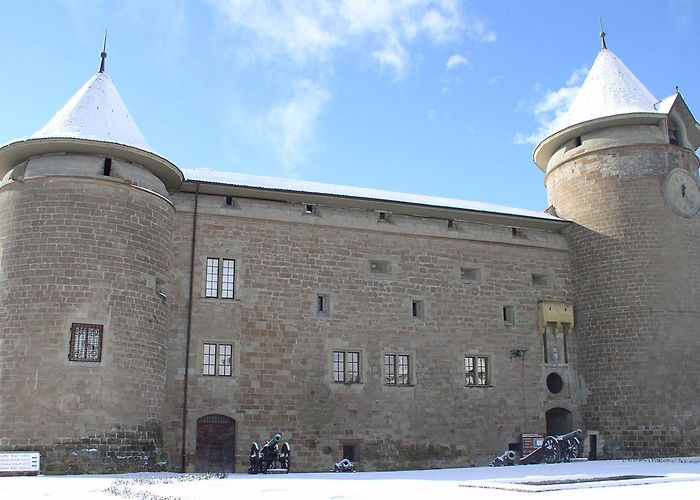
x=509 y=315
x=229 y=201
x=107 y=167
x=417 y=309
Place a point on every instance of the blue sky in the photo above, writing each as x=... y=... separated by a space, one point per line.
x=442 y=97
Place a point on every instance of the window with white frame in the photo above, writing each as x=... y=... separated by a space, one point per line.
x=397 y=369
x=220 y=278
x=217 y=359
x=476 y=370
x=346 y=367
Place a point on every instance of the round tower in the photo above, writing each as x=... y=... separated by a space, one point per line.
x=85 y=246
x=622 y=167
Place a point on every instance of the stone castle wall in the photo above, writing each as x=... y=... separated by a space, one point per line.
x=282 y=370
x=83 y=250
x=636 y=277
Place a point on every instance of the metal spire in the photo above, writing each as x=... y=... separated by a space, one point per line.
x=103 y=55
x=602 y=33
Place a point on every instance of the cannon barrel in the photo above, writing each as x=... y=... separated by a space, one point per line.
x=570 y=435
x=274 y=441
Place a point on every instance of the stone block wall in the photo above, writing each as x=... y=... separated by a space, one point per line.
x=636 y=278
x=282 y=373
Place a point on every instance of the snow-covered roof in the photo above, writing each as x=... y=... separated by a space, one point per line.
x=609 y=89
x=95 y=112
x=293 y=185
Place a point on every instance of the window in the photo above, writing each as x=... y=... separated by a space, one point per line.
x=107 y=170
x=217 y=359
x=346 y=367
x=323 y=305
x=509 y=315
x=476 y=370
x=308 y=208
x=417 y=309
x=220 y=279
x=85 y=342
x=470 y=275
x=228 y=201
x=397 y=369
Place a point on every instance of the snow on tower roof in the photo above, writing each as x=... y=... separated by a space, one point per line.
x=609 y=89
x=95 y=112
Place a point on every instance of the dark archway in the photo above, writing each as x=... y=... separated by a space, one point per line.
x=559 y=421
x=216 y=444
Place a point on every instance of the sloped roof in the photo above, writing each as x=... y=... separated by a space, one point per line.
x=609 y=89
x=95 y=112
x=308 y=187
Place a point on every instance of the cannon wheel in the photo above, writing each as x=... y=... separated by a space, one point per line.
x=551 y=450
x=254 y=459
x=285 y=456
x=570 y=449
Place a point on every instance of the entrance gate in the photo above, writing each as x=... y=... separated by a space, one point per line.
x=216 y=444
x=559 y=421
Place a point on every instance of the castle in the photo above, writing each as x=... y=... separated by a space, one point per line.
x=158 y=318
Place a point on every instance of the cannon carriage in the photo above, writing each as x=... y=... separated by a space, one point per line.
x=554 y=449
x=271 y=458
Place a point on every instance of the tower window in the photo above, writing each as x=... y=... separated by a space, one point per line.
x=382 y=217
x=346 y=367
x=217 y=359
x=228 y=201
x=476 y=371
x=578 y=141
x=323 y=305
x=85 y=342
x=308 y=208
x=107 y=167
x=673 y=133
x=397 y=369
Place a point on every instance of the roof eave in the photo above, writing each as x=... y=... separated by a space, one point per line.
x=16 y=152
x=549 y=145
x=546 y=223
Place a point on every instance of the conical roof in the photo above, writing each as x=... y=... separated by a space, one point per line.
x=609 y=89
x=611 y=93
x=95 y=112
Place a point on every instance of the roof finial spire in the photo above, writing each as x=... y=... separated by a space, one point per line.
x=602 y=33
x=103 y=55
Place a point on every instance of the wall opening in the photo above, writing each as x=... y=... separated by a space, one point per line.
x=559 y=421
x=216 y=444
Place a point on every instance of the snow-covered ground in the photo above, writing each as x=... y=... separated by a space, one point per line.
x=678 y=478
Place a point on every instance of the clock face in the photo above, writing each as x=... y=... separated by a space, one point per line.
x=682 y=193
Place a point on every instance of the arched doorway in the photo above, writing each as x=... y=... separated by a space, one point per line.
x=216 y=444
x=559 y=421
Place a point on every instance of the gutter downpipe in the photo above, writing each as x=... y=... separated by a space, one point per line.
x=189 y=333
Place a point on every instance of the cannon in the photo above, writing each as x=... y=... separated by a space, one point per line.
x=344 y=465
x=507 y=458
x=556 y=449
x=270 y=458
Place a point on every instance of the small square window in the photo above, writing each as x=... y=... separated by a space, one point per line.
x=228 y=201
x=382 y=217
x=309 y=208
x=471 y=275
x=509 y=315
x=379 y=267
x=417 y=309
x=85 y=342
x=539 y=280
x=451 y=224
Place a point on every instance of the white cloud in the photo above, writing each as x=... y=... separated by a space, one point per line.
x=313 y=31
x=290 y=127
x=456 y=60
x=550 y=107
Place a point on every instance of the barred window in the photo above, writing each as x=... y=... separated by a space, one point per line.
x=220 y=279
x=217 y=359
x=85 y=342
x=397 y=369
x=346 y=367
x=476 y=370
